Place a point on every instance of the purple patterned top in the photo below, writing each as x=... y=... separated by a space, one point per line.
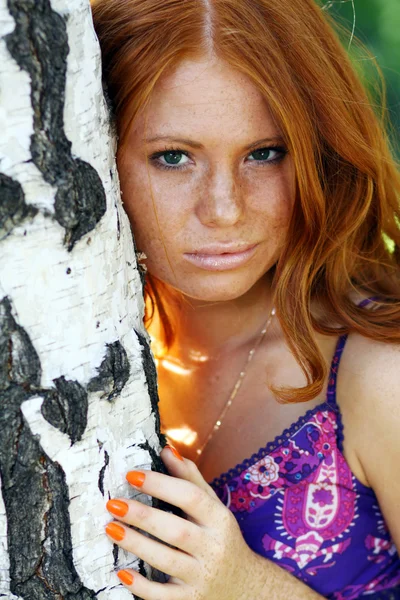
x=298 y=504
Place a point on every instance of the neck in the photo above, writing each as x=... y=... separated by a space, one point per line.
x=204 y=330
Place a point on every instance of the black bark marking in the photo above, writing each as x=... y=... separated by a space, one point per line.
x=118 y=222
x=156 y=462
x=141 y=568
x=113 y=373
x=151 y=379
x=33 y=487
x=19 y=362
x=115 y=555
x=66 y=408
x=158 y=465
x=13 y=208
x=141 y=268
x=39 y=44
x=102 y=471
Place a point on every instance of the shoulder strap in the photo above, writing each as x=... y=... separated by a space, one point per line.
x=331 y=392
x=333 y=373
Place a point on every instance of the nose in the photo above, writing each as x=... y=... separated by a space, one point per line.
x=221 y=204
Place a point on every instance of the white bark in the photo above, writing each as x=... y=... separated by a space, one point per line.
x=72 y=303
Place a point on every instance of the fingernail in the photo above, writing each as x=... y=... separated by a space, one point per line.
x=115 y=531
x=136 y=478
x=117 y=507
x=125 y=577
x=174 y=451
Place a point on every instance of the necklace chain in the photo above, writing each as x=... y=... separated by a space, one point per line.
x=238 y=384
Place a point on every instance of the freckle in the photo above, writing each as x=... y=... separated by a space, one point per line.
x=68 y=271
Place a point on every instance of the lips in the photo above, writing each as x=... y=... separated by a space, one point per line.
x=218 y=249
x=221 y=258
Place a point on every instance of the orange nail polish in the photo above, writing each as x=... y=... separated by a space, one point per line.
x=136 y=478
x=174 y=451
x=115 y=531
x=125 y=577
x=117 y=507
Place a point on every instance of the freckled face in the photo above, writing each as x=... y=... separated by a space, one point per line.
x=219 y=179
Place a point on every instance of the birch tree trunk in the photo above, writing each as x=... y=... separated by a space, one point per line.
x=78 y=392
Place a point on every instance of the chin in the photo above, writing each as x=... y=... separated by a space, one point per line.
x=214 y=296
x=216 y=291
x=206 y=286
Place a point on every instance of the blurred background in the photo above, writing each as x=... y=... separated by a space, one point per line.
x=377 y=25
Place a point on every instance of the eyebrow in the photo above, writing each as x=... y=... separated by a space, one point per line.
x=192 y=143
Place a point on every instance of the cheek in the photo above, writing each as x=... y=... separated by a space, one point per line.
x=273 y=199
x=155 y=213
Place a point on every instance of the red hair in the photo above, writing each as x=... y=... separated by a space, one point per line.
x=344 y=232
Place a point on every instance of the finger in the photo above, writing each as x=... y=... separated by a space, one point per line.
x=191 y=498
x=151 y=590
x=167 y=527
x=171 y=561
x=184 y=468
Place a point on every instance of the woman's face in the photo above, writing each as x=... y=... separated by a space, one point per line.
x=206 y=182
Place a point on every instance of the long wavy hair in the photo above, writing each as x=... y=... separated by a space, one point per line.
x=344 y=232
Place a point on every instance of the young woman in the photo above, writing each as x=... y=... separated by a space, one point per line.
x=261 y=188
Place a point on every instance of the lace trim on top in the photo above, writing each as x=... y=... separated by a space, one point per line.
x=270 y=447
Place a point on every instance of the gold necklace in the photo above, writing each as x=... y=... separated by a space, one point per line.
x=238 y=383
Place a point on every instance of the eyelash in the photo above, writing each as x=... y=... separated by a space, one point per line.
x=154 y=158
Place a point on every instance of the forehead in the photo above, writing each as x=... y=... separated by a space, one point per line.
x=206 y=96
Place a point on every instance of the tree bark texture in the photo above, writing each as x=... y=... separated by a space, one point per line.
x=78 y=390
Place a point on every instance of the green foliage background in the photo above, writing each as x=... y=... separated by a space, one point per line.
x=378 y=27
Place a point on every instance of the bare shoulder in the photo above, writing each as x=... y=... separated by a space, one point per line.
x=373 y=362
x=371 y=381
x=370 y=396
x=372 y=373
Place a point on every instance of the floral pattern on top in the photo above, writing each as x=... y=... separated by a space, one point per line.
x=298 y=504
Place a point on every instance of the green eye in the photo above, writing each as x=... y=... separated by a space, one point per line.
x=261 y=154
x=268 y=156
x=172 y=157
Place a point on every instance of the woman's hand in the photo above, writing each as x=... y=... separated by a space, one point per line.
x=210 y=559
